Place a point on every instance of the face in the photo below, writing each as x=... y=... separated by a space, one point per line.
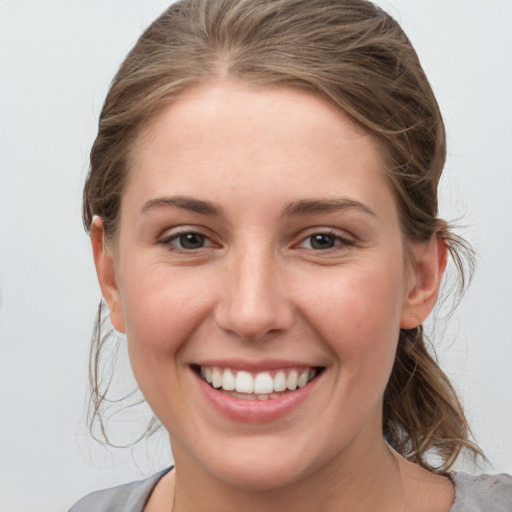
x=260 y=277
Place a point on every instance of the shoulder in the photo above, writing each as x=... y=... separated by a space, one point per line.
x=124 y=498
x=483 y=493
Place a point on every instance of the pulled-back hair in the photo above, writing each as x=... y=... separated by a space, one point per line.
x=356 y=55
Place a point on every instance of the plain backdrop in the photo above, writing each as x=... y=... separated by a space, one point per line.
x=56 y=60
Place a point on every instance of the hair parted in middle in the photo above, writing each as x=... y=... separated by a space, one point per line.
x=357 y=56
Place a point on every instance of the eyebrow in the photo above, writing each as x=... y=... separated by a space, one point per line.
x=301 y=207
x=184 y=203
x=305 y=206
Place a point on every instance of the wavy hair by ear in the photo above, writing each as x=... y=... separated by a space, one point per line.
x=102 y=405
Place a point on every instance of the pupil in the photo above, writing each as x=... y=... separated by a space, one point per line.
x=322 y=241
x=192 y=241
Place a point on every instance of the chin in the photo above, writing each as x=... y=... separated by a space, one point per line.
x=261 y=466
x=257 y=475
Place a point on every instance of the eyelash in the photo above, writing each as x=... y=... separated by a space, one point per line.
x=338 y=241
x=169 y=241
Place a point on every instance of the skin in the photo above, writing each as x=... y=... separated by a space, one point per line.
x=259 y=289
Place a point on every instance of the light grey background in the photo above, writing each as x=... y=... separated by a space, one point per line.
x=56 y=60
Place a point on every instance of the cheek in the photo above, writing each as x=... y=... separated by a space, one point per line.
x=357 y=313
x=162 y=311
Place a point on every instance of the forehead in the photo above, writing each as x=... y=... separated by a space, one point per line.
x=249 y=108
x=215 y=138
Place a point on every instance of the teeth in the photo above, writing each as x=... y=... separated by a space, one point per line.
x=228 y=381
x=216 y=378
x=260 y=386
x=263 y=384
x=291 y=380
x=303 y=379
x=280 y=381
x=244 y=382
x=206 y=373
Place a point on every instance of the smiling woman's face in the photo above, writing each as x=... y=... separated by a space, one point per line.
x=259 y=247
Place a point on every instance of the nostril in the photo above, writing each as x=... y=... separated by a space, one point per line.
x=253 y=325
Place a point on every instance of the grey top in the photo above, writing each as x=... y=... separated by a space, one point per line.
x=484 y=493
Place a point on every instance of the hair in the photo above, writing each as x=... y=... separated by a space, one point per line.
x=357 y=56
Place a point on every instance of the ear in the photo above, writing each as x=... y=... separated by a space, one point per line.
x=106 y=272
x=428 y=267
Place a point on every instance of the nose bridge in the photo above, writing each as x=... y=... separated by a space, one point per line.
x=254 y=302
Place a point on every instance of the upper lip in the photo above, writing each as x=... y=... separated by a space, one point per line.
x=255 y=366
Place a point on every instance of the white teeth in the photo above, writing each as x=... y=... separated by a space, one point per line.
x=206 y=374
x=228 y=380
x=263 y=384
x=280 y=381
x=291 y=380
x=303 y=379
x=244 y=382
x=258 y=386
x=216 y=378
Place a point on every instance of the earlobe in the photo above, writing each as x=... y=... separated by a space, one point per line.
x=430 y=260
x=106 y=271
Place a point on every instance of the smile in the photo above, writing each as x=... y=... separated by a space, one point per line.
x=267 y=385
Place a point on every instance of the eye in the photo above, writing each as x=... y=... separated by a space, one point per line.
x=186 y=241
x=190 y=240
x=325 y=240
x=322 y=241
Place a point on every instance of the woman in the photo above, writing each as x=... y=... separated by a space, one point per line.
x=262 y=205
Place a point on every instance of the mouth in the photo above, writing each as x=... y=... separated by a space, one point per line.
x=266 y=385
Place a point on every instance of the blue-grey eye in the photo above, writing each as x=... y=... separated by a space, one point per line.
x=191 y=240
x=322 y=241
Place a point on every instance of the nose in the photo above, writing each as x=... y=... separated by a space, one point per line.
x=254 y=303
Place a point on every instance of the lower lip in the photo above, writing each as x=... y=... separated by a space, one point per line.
x=255 y=411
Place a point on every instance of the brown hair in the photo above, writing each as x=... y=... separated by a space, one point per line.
x=356 y=55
